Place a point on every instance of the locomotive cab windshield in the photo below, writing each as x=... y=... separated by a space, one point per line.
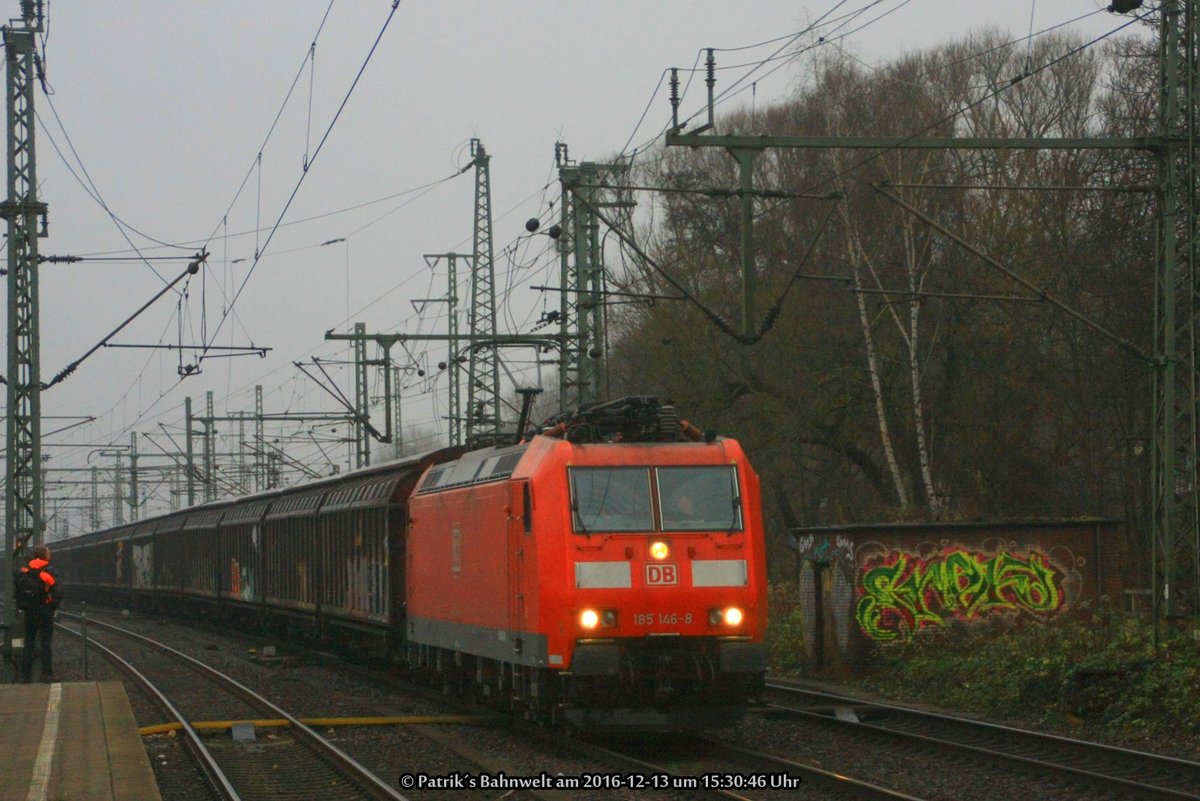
x=699 y=498
x=611 y=499
x=618 y=499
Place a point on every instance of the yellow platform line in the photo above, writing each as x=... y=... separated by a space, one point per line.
x=404 y=720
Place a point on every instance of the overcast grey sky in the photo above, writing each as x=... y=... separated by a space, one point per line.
x=166 y=104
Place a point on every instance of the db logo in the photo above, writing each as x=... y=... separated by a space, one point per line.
x=660 y=574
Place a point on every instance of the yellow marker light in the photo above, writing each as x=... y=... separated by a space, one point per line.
x=733 y=616
x=589 y=618
x=659 y=550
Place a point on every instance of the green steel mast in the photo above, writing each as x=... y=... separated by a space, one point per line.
x=453 y=369
x=1175 y=519
x=362 y=399
x=581 y=368
x=483 y=373
x=23 y=518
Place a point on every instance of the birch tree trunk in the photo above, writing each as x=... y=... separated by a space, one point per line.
x=857 y=258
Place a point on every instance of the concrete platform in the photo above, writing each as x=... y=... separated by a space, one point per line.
x=71 y=742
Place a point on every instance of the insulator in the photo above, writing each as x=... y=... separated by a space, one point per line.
x=711 y=67
x=668 y=423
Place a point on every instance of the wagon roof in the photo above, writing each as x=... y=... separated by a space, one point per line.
x=246 y=513
x=144 y=527
x=298 y=503
x=204 y=518
x=173 y=522
x=368 y=493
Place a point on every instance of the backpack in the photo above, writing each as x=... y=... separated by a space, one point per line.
x=29 y=589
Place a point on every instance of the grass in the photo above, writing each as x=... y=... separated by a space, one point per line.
x=1099 y=672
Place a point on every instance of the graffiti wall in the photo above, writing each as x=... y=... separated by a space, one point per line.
x=867 y=587
x=900 y=592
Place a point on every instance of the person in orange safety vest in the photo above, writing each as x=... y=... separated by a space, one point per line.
x=40 y=608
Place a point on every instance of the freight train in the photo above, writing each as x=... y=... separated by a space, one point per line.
x=607 y=572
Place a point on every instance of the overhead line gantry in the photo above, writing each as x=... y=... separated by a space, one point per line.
x=1175 y=361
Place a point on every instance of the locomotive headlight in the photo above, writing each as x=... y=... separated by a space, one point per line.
x=729 y=616
x=659 y=550
x=603 y=618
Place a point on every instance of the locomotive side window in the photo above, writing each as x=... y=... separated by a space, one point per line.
x=699 y=498
x=610 y=499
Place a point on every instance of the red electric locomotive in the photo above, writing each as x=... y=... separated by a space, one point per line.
x=609 y=572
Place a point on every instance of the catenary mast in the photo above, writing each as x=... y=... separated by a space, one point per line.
x=26 y=216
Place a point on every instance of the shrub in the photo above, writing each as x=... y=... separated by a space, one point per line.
x=1100 y=671
x=785 y=629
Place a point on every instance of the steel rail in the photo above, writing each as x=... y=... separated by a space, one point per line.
x=204 y=758
x=840 y=785
x=1093 y=752
x=342 y=761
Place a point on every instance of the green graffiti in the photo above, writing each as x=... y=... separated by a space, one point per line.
x=907 y=593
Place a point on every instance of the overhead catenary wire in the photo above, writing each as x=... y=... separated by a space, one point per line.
x=978 y=101
x=733 y=89
x=300 y=221
x=304 y=172
x=308 y=53
x=716 y=319
x=994 y=91
x=419 y=191
x=93 y=191
x=823 y=41
x=788 y=40
x=191 y=270
x=519 y=261
x=147 y=412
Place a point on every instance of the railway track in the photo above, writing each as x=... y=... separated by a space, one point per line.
x=704 y=765
x=467 y=744
x=297 y=762
x=687 y=769
x=1086 y=768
